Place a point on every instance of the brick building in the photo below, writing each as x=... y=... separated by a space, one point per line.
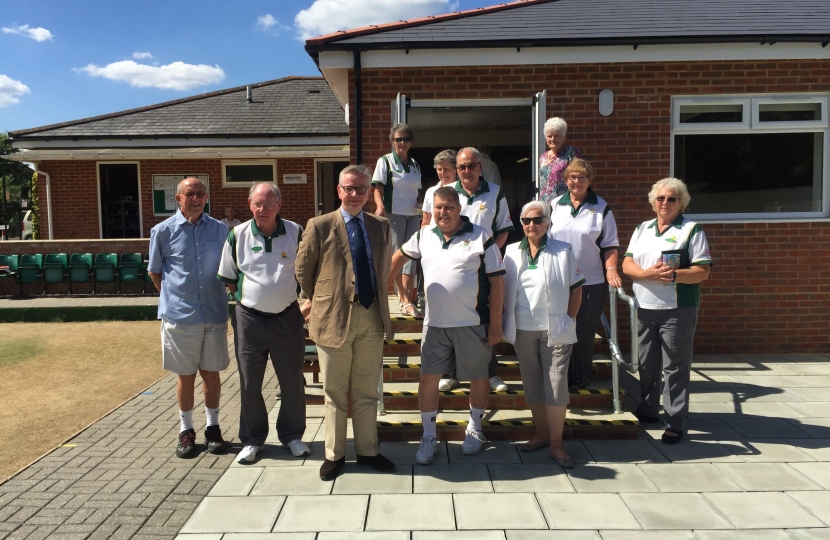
x=732 y=97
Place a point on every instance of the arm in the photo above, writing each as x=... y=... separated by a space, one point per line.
x=693 y=274
x=659 y=272
x=495 y=331
x=377 y=194
x=156 y=279
x=574 y=301
x=611 y=259
x=308 y=255
x=501 y=238
x=426 y=218
x=398 y=260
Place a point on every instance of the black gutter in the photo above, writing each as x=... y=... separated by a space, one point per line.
x=358 y=109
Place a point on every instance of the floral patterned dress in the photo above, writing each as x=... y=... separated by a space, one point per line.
x=551 y=182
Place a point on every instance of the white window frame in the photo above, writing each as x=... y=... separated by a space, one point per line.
x=751 y=124
x=225 y=163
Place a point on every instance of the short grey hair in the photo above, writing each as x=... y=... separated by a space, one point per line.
x=357 y=170
x=674 y=185
x=539 y=205
x=445 y=155
x=272 y=186
x=183 y=180
x=475 y=152
x=556 y=124
x=400 y=128
x=447 y=193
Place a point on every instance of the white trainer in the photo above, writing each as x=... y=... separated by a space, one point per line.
x=248 y=454
x=445 y=385
x=497 y=385
x=473 y=442
x=298 y=448
x=426 y=452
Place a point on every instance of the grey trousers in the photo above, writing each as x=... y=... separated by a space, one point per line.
x=587 y=321
x=666 y=339
x=282 y=336
x=492 y=367
x=544 y=368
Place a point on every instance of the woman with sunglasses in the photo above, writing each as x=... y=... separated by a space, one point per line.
x=668 y=258
x=396 y=180
x=542 y=292
x=584 y=220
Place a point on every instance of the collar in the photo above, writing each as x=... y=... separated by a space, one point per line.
x=347 y=217
x=525 y=245
x=180 y=219
x=483 y=188
x=280 y=230
x=466 y=227
x=677 y=223
x=398 y=161
x=565 y=200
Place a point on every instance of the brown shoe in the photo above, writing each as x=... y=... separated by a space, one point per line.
x=330 y=470
x=378 y=463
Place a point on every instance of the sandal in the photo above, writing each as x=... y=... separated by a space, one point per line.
x=411 y=310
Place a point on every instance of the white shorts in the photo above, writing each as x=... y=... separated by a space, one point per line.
x=187 y=348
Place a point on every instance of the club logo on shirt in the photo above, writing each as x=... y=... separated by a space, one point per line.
x=671 y=239
x=256 y=249
x=592 y=211
x=284 y=256
x=482 y=207
x=465 y=244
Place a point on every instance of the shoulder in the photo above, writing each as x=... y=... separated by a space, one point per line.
x=512 y=250
x=372 y=219
x=555 y=247
x=164 y=226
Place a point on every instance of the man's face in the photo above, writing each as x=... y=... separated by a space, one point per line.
x=265 y=206
x=469 y=168
x=348 y=192
x=192 y=197
x=447 y=215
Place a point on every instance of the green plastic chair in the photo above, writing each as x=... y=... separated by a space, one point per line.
x=146 y=273
x=29 y=269
x=80 y=268
x=104 y=268
x=129 y=268
x=12 y=262
x=54 y=268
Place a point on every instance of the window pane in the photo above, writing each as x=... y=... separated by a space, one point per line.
x=789 y=112
x=706 y=114
x=249 y=173
x=778 y=172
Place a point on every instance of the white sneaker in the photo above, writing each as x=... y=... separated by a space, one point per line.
x=445 y=385
x=497 y=385
x=248 y=454
x=473 y=442
x=298 y=448
x=426 y=452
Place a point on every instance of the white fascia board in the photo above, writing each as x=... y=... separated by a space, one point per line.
x=34 y=156
x=181 y=143
x=578 y=55
x=335 y=59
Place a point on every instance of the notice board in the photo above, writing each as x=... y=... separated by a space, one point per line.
x=164 y=192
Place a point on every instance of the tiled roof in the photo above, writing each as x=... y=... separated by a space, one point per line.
x=283 y=107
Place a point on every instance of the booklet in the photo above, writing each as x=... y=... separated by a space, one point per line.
x=676 y=258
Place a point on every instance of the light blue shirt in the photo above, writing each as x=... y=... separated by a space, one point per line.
x=350 y=232
x=187 y=257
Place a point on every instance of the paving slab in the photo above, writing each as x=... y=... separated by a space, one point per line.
x=494 y=452
x=458 y=535
x=271 y=455
x=762 y=510
x=270 y=536
x=766 y=428
x=586 y=511
x=489 y=511
x=552 y=535
x=701 y=451
x=236 y=482
x=625 y=451
x=688 y=478
x=757 y=534
x=609 y=478
x=769 y=450
x=297 y=480
x=535 y=478
x=413 y=512
x=648 y=535
x=816 y=427
x=675 y=511
x=452 y=478
x=810 y=534
x=817 y=503
x=767 y=477
x=575 y=449
x=403 y=453
x=369 y=482
x=818 y=472
x=364 y=535
x=322 y=513
x=817 y=448
x=234 y=514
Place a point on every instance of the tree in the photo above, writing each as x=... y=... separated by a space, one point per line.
x=14 y=175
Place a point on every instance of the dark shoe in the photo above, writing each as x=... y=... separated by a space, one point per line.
x=578 y=384
x=215 y=443
x=329 y=470
x=646 y=419
x=671 y=436
x=378 y=463
x=187 y=444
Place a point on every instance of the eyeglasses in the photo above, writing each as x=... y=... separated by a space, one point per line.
x=662 y=199
x=402 y=139
x=538 y=220
x=264 y=205
x=352 y=190
x=196 y=195
x=577 y=178
x=464 y=167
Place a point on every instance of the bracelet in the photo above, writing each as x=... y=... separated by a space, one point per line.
x=610 y=268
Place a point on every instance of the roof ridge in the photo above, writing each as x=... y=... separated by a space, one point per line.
x=374 y=28
x=161 y=105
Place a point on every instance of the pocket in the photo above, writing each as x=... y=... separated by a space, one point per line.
x=480 y=331
x=561 y=330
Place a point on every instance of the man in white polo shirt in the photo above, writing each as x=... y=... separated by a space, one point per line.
x=465 y=290
x=268 y=320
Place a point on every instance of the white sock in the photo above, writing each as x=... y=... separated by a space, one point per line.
x=475 y=418
x=428 y=420
x=212 y=416
x=186 y=418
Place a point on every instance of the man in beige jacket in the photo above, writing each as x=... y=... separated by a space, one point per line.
x=342 y=264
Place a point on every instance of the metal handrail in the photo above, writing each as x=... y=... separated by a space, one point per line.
x=613 y=341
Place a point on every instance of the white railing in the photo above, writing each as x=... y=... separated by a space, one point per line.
x=613 y=341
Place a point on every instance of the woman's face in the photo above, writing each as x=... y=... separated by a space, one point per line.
x=578 y=182
x=532 y=230
x=446 y=172
x=663 y=205
x=555 y=140
x=402 y=142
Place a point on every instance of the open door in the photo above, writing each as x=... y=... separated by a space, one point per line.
x=539 y=117
x=399 y=107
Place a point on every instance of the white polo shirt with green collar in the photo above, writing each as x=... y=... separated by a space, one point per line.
x=457 y=273
x=486 y=208
x=265 y=265
x=590 y=230
x=646 y=248
x=401 y=183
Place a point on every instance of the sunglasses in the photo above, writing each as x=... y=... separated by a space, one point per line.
x=470 y=166
x=402 y=139
x=538 y=220
x=352 y=190
x=661 y=199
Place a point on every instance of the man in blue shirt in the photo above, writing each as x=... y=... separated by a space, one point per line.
x=185 y=250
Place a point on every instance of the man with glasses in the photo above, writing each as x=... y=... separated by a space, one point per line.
x=342 y=268
x=268 y=320
x=184 y=257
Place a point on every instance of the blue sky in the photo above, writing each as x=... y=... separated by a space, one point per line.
x=69 y=59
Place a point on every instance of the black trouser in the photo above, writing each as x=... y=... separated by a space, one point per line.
x=587 y=320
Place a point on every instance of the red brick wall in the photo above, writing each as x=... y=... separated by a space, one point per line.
x=769 y=289
x=75 y=194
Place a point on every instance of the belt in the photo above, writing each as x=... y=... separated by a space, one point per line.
x=267 y=315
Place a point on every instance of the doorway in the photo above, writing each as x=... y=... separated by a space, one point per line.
x=119 y=200
x=327 y=173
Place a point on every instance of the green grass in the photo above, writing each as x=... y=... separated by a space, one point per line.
x=14 y=351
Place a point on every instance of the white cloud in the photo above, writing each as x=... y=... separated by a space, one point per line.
x=267 y=23
x=10 y=89
x=175 y=76
x=37 y=34
x=142 y=55
x=327 y=16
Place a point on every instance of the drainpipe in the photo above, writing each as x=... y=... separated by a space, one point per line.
x=358 y=109
x=48 y=197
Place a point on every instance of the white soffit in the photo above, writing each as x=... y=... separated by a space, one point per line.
x=338 y=80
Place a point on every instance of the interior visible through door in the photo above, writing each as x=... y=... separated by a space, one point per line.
x=119 y=201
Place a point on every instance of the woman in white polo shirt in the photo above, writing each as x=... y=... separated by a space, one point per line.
x=542 y=292
x=585 y=221
x=668 y=258
x=397 y=180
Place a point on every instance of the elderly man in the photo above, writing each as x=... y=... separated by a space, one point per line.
x=268 y=320
x=465 y=291
x=184 y=256
x=342 y=267
x=484 y=204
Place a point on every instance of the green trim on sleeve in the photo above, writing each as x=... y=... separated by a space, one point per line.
x=496 y=273
x=220 y=277
x=407 y=255
x=702 y=263
x=232 y=241
x=488 y=243
x=628 y=254
x=578 y=284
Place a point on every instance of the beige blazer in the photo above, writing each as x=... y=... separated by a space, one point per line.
x=324 y=271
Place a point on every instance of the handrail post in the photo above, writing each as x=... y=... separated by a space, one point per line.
x=615 y=367
x=635 y=345
x=381 y=405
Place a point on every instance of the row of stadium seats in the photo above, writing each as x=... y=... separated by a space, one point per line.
x=75 y=268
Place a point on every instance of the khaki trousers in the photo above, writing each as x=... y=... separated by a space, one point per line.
x=357 y=365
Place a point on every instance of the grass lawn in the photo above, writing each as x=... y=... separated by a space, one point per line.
x=56 y=378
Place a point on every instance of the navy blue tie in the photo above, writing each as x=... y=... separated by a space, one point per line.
x=365 y=293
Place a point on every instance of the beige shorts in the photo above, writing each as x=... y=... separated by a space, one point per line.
x=187 y=348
